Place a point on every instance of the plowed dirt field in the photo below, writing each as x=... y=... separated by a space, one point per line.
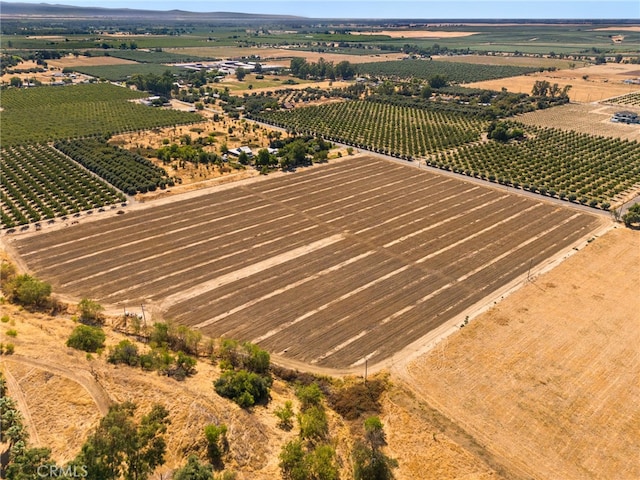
x=329 y=266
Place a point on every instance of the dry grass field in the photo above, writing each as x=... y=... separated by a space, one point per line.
x=584 y=118
x=62 y=395
x=601 y=82
x=282 y=56
x=334 y=264
x=548 y=379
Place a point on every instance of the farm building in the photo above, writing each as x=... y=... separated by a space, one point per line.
x=625 y=117
x=237 y=151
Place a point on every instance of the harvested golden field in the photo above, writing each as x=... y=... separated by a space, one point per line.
x=282 y=56
x=594 y=119
x=588 y=84
x=547 y=380
x=82 y=61
x=416 y=33
x=62 y=394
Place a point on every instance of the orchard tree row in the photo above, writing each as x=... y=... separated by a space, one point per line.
x=79 y=110
x=38 y=182
x=123 y=169
x=563 y=164
x=381 y=127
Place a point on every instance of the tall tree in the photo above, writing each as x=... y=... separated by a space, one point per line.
x=119 y=448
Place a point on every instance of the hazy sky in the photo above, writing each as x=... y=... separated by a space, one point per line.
x=428 y=9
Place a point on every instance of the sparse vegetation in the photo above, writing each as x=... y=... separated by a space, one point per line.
x=310 y=456
x=90 y=312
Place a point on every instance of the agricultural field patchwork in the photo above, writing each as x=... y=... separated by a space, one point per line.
x=332 y=265
x=564 y=164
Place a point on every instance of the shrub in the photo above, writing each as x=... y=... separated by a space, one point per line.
x=29 y=291
x=125 y=352
x=9 y=348
x=12 y=333
x=313 y=424
x=90 y=311
x=86 y=338
x=5 y=319
x=185 y=366
x=194 y=470
x=285 y=415
x=243 y=387
x=309 y=395
x=216 y=436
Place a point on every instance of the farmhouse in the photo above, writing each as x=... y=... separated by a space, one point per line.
x=625 y=117
x=237 y=151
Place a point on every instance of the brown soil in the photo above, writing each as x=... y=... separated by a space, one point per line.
x=602 y=82
x=524 y=391
x=547 y=379
x=372 y=258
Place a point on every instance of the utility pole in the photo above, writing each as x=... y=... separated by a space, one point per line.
x=366 y=362
x=144 y=318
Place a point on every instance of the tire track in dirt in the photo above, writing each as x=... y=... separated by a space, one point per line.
x=83 y=378
x=21 y=402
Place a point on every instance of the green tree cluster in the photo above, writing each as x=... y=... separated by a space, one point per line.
x=164 y=338
x=369 y=462
x=25 y=289
x=503 y=132
x=300 y=68
x=310 y=456
x=87 y=338
x=245 y=377
x=123 y=448
x=632 y=217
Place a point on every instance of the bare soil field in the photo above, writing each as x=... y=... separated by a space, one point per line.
x=584 y=118
x=329 y=266
x=588 y=84
x=547 y=380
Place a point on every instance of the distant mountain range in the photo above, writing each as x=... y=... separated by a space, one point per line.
x=13 y=10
